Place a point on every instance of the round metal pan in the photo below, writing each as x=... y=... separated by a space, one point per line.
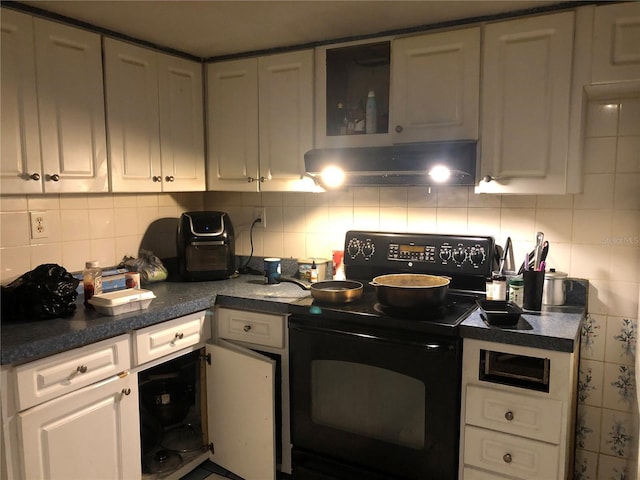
x=411 y=290
x=331 y=291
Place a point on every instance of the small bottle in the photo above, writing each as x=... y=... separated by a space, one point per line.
x=516 y=291
x=370 y=113
x=314 y=272
x=92 y=281
x=499 y=287
x=489 y=289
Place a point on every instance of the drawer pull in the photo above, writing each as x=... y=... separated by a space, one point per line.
x=246 y=328
x=509 y=416
x=126 y=392
x=507 y=458
x=179 y=336
x=81 y=369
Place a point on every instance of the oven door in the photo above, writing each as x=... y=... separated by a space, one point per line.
x=374 y=401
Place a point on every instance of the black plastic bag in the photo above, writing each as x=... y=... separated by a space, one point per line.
x=47 y=291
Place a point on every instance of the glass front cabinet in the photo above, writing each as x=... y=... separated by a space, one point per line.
x=423 y=88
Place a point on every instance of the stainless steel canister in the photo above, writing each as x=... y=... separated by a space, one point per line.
x=555 y=288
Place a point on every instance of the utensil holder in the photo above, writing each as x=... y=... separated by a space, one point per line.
x=533 y=287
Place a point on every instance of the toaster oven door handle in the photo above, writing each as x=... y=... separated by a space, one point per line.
x=209 y=242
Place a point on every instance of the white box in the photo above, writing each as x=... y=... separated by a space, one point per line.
x=122 y=301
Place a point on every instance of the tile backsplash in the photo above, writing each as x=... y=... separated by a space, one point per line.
x=593 y=235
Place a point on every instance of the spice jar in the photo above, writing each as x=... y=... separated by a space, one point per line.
x=499 y=287
x=516 y=291
x=92 y=281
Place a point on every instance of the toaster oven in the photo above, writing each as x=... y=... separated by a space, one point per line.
x=205 y=246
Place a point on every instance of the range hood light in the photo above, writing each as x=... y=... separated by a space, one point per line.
x=440 y=173
x=332 y=176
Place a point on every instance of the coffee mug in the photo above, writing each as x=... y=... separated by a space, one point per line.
x=272 y=270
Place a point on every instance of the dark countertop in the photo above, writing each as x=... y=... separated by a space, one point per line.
x=555 y=328
x=31 y=339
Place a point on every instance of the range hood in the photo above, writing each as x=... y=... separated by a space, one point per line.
x=408 y=164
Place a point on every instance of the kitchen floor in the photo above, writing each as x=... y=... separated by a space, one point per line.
x=209 y=471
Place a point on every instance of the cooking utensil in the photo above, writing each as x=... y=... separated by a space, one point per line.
x=508 y=249
x=168 y=399
x=554 y=292
x=411 y=290
x=538 y=250
x=331 y=291
x=529 y=259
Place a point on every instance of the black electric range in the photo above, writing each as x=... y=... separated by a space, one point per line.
x=466 y=259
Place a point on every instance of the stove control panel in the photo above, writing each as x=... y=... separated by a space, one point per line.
x=381 y=252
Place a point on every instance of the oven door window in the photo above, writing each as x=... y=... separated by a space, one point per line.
x=390 y=405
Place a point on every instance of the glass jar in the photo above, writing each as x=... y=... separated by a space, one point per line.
x=91 y=280
x=516 y=291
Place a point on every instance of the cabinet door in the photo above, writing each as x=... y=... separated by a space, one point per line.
x=71 y=106
x=232 y=112
x=131 y=84
x=435 y=86
x=616 y=43
x=525 y=104
x=241 y=411
x=91 y=433
x=20 y=158
x=181 y=124
x=286 y=120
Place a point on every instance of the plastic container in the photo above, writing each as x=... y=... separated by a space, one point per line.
x=122 y=301
x=91 y=280
x=371 y=114
x=516 y=291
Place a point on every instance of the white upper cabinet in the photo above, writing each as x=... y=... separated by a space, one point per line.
x=260 y=113
x=149 y=94
x=616 y=43
x=285 y=104
x=232 y=110
x=20 y=164
x=181 y=124
x=67 y=152
x=435 y=86
x=526 y=94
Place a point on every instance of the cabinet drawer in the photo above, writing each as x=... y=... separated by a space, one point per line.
x=65 y=372
x=473 y=474
x=252 y=327
x=528 y=416
x=168 y=337
x=510 y=455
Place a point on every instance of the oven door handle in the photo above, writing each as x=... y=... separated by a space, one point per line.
x=427 y=345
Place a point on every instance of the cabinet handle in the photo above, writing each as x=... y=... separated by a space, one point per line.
x=178 y=336
x=246 y=328
x=508 y=416
x=34 y=176
x=125 y=392
x=169 y=178
x=262 y=179
x=157 y=178
x=507 y=458
x=82 y=369
x=399 y=129
x=250 y=179
x=54 y=178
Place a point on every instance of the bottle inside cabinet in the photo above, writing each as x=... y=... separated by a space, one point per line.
x=352 y=73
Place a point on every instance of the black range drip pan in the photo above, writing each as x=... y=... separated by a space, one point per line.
x=499 y=313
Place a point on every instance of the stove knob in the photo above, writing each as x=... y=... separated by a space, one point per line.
x=459 y=255
x=368 y=249
x=353 y=247
x=445 y=254
x=477 y=255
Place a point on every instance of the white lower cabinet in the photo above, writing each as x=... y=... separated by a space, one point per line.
x=92 y=433
x=518 y=412
x=111 y=410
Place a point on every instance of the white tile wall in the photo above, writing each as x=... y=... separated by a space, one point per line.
x=595 y=235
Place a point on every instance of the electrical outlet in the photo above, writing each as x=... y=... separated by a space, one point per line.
x=39 y=226
x=259 y=212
